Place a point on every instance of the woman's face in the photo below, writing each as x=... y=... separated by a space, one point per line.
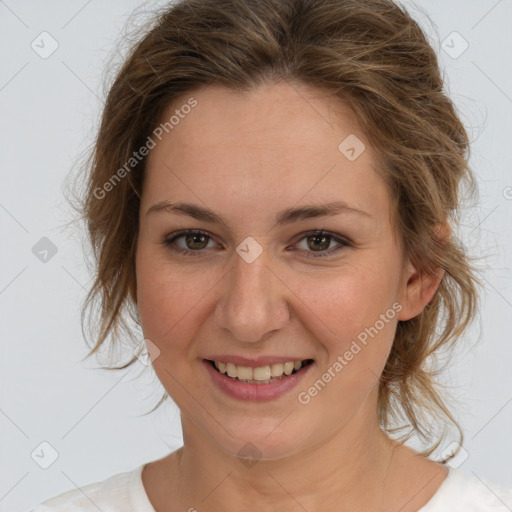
x=260 y=288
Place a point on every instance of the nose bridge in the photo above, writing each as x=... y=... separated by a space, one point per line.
x=252 y=303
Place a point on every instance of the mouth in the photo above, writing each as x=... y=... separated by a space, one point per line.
x=259 y=375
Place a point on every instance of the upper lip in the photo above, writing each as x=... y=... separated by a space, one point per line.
x=255 y=362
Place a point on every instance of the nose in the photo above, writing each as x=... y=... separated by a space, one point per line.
x=253 y=301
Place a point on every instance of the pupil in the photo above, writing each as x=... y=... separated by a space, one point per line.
x=192 y=239
x=316 y=238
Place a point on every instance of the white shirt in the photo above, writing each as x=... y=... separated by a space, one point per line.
x=124 y=492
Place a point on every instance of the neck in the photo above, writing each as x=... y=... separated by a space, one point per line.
x=335 y=474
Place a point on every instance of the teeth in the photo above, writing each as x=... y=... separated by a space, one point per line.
x=261 y=373
x=244 y=372
x=231 y=369
x=276 y=370
x=288 y=368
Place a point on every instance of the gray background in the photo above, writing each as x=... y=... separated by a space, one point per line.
x=92 y=418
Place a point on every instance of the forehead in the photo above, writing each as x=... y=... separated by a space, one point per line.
x=270 y=117
x=278 y=141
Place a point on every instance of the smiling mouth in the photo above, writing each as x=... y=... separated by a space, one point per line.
x=261 y=374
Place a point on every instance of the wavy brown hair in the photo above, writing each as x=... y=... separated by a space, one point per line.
x=371 y=54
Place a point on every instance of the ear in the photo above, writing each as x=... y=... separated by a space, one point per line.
x=419 y=288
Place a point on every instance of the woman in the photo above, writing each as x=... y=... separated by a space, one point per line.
x=272 y=197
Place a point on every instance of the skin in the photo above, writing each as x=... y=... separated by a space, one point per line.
x=247 y=156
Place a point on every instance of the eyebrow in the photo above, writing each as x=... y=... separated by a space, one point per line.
x=287 y=216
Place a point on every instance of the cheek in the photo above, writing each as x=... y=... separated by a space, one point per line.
x=157 y=295
x=351 y=298
x=352 y=314
x=170 y=300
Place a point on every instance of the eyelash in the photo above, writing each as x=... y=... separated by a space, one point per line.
x=169 y=241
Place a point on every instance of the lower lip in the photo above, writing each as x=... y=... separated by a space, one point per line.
x=255 y=392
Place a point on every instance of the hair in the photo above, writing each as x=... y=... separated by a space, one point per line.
x=369 y=53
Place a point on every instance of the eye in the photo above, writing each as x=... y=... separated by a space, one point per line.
x=320 y=241
x=195 y=241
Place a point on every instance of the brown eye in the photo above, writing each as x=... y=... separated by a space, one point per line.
x=193 y=244
x=196 y=241
x=319 y=241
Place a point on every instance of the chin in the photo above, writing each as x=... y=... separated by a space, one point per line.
x=261 y=443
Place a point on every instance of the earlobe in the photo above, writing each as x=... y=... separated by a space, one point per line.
x=418 y=292
x=421 y=286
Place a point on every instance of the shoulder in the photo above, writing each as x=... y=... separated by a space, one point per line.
x=467 y=493
x=122 y=492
